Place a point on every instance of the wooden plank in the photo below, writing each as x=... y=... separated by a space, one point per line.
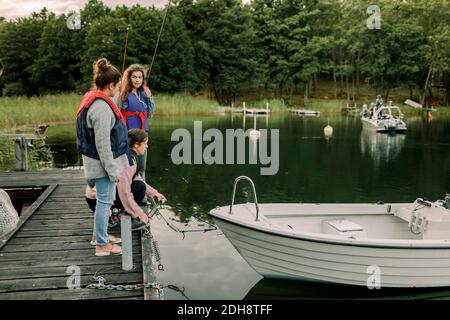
x=73 y=201
x=45 y=240
x=23 y=219
x=53 y=233
x=38 y=247
x=62 y=224
x=66 y=294
x=61 y=217
x=43 y=272
x=60 y=282
x=88 y=260
x=44 y=229
x=58 y=206
x=52 y=224
x=55 y=254
x=54 y=212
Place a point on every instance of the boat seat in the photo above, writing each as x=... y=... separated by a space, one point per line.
x=344 y=228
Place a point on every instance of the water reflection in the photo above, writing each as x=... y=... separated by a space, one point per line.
x=288 y=289
x=381 y=146
x=205 y=264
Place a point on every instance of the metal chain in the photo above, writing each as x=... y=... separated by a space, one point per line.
x=154 y=244
x=101 y=285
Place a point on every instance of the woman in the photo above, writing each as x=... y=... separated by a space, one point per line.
x=137 y=105
x=131 y=189
x=103 y=141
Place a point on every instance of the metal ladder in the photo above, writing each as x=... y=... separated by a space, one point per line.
x=254 y=194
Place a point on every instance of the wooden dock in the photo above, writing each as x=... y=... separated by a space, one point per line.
x=351 y=111
x=54 y=235
x=256 y=111
x=304 y=112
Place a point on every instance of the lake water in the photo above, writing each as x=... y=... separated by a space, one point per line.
x=353 y=166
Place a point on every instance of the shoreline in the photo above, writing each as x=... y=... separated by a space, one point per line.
x=19 y=127
x=21 y=113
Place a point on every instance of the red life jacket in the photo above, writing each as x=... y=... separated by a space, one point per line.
x=86 y=136
x=136 y=110
x=141 y=115
x=89 y=98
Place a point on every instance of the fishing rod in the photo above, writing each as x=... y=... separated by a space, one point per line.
x=157 y=42
x=124 y=58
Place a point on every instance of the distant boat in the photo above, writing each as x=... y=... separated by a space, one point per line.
x=413 y=104
x=386 y=118
x=408 y=244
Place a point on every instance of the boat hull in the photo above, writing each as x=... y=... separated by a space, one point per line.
x=371 y=125
x=290 y=257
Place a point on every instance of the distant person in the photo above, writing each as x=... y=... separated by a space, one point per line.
x=365 y=111
x=137 y=105
x=102 y=139
x=378 y=102
x=131 y=189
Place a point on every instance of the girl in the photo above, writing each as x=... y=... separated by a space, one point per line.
x=137 y=105
x=103 y=141
x=130 y=180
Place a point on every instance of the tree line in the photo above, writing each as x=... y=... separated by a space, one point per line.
x=229 y=48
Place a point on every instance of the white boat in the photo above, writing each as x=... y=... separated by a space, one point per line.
x=400 y=244
x=385 y=118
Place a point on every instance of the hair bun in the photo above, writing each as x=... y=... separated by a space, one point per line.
x=101 y=65
x=104 y=74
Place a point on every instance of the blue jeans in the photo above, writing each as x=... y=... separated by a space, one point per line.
x=106 y=194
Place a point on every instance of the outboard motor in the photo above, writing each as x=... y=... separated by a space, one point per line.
x=447 y=201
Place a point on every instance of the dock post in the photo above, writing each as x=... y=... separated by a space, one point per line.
x=243 y=103
x=127 y=245
x=21 y=153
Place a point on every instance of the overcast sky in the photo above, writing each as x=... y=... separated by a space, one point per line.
x=20 y=8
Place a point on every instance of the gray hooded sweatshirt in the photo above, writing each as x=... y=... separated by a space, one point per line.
x=101 y=118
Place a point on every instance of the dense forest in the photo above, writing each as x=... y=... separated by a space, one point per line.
x=228 y=48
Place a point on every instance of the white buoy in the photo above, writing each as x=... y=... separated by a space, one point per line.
x=328 y=130
x=254 y=134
